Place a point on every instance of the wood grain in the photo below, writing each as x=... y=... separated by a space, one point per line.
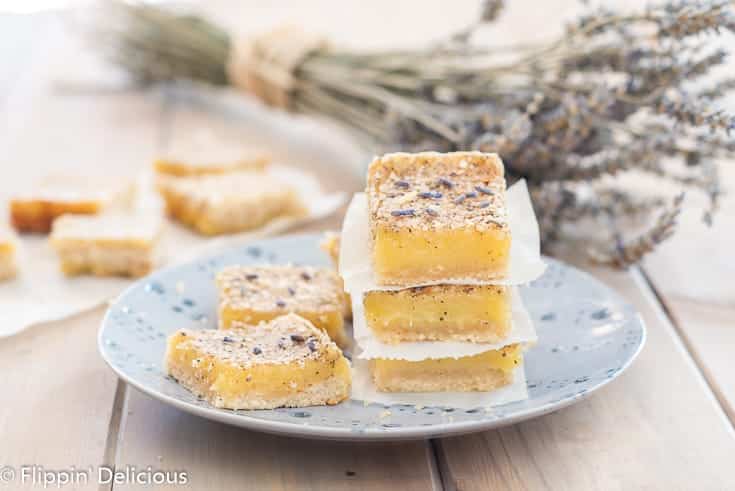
x=57 y=392
x=222 y=457
x=57 y=396
x=693 y=275
x=657 y=427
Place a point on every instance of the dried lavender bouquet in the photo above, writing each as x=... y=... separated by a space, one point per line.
x=610 y=96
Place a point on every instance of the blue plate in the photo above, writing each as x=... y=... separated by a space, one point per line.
x=587 y=336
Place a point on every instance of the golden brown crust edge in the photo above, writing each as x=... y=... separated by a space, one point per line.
x=37 y=216
x=434 y=191
x=177 y=168
x=491 y=379
x=399 y=161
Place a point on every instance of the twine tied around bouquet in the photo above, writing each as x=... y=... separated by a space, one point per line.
x=265 y=65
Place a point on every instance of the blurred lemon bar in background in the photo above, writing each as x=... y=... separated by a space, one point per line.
x=250 y=294
x=229 y=203
x=8 y=253
x=470 y=313
x=106 y=245
x=485 y=371
x=205 y=152
x=286 y=362
x=35 y=210
x=330 y=244
x=437 y=216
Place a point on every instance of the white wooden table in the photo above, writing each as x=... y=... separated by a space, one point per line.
x=665 y=424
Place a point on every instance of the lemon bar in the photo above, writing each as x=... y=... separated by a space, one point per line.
x=214 y=161
x=105 y=245
x=250 y=294
x=331 y=244
x=470 y=313
x=35 y=211
x=485 y=371
x=8 y=248
x=437 y=216
x=229 y=203
x=180 y=168
x=286 y=362
x=205 y=152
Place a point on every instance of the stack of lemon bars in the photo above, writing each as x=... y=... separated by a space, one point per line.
x=425 y=255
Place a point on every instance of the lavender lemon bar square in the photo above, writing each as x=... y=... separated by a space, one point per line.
x=438 y=216
x=35 y=210
x=250 y=294
x=285 y=362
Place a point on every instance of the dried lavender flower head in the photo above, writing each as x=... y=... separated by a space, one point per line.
x=607 y=98
x=611 y=96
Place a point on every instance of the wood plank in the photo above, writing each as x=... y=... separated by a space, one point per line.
x=707 y=330
x=657 y=427
x=222 y=457
x=59 y=394
x=692 y=274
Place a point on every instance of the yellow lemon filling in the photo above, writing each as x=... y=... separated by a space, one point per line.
x=404 y=255
x=285 y=362
x=479 y=314
x=251 y=294
x=330 y=322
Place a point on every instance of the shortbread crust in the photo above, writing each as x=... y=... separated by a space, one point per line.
x=483 y=372
x=105 y=245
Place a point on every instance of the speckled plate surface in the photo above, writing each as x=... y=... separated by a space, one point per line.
x=587 y=336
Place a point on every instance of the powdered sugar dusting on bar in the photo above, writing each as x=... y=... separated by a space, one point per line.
x=431 y=190
x=283 y=340
x=267 y=288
